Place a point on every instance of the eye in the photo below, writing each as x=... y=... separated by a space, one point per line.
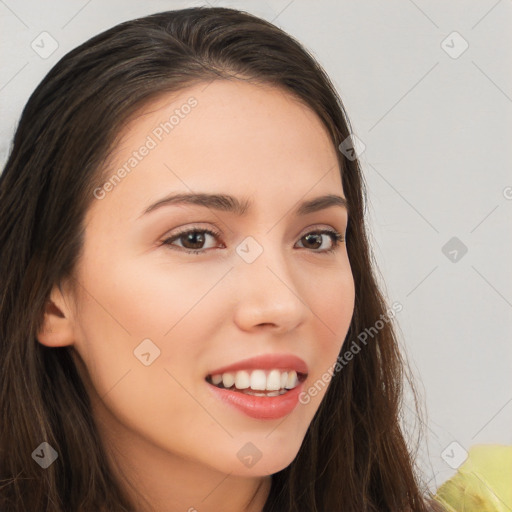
x=316 y=239
x=193 y=240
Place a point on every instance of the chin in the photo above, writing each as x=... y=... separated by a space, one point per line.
x=265 y=466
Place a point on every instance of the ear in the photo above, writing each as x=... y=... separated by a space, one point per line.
x=57 y=327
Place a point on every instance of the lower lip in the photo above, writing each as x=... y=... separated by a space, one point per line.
x=260 y=407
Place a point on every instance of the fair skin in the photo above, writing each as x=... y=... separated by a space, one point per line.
x=170 y=441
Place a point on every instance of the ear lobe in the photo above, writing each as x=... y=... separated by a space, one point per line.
x=57 y=327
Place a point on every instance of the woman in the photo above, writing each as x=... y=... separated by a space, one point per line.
x=186 y=277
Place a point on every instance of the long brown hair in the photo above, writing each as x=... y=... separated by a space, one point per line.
x=354 y=456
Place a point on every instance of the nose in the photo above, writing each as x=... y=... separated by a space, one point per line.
x=269 y=294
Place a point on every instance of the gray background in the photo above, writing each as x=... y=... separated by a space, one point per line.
x=436 y=125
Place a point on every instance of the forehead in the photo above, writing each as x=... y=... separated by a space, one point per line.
x=224 y=136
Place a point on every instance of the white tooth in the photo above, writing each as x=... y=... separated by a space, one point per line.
x=242 y=380
x=217 y=379
x=291 y=381
x=284 y=378
x=273 y=393
x=228 y=379
x=274 y=380
x=258 y=380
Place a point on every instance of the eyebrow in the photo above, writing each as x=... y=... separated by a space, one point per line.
x=241 y=207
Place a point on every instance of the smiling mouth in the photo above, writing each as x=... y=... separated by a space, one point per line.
x=258 y=382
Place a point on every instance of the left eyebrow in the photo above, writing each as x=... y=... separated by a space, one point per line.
x=241 y=207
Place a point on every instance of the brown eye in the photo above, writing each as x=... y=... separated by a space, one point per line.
x=315 y=240
x=192 y=240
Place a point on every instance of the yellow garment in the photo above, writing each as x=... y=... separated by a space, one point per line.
x=483 y=483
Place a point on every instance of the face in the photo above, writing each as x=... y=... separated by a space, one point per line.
x=157 y=325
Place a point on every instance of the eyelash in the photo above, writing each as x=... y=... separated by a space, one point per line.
x=337 y=239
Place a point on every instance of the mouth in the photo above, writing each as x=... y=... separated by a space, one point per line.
x=258 y=382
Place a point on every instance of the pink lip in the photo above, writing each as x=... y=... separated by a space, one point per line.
x=266 y=362
x=260 y=407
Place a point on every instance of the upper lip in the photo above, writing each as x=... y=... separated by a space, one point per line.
x=266 y=362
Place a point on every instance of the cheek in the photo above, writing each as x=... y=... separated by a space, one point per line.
x=330 y=295
x=131 y=314
x=337 y=303
x=333 y=307
x=146 y=301
x=158 y=316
